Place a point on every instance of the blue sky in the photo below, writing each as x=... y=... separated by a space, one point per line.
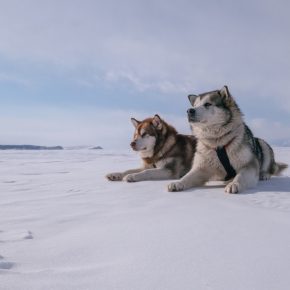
x=74 y=72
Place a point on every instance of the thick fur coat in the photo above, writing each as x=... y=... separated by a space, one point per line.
x=165 y=154
x=217 y=122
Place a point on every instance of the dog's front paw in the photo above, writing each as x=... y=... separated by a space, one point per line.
x=233 y=187
x=114 y=176
x=130 y=178
x=175 y=186
x=264 y=175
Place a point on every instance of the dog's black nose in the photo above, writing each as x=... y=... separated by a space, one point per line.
x=133 y=144
x=191 y=111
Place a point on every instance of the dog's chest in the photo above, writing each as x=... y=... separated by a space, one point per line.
x=239 y=158
x=163 y=162
x=207 y=158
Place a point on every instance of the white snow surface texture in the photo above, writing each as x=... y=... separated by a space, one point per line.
x=64 y=226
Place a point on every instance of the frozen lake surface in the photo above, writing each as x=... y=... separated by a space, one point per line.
x=64 y=226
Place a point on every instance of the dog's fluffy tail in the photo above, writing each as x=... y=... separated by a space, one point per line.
x=279 y=167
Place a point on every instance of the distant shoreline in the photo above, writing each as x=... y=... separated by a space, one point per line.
x=29 y=147
x=38 y=147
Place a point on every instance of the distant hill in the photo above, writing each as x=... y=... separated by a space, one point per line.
x=29 y=147
x=97 y=148
x=82 y=147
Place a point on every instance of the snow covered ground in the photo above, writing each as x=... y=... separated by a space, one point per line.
x=64 y=226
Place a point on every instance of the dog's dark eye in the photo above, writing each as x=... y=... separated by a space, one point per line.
x=207 y=105
x=144 y=135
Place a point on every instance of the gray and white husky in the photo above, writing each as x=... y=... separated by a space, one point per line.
x=165 y=154
x=226 y=148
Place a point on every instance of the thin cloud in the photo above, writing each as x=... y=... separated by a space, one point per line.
x=14 y=79
x=147 y=52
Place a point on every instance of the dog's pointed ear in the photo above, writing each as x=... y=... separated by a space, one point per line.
x=192 y=98
x=135 y=122
x=157 y=122
x=225 y=93
x=227 y=97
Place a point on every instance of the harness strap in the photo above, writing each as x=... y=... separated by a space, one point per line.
x=224 y=159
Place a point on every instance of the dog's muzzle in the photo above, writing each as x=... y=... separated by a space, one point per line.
x=191 y=114
x=133 y=145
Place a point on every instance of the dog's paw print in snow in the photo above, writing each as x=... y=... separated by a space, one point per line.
x=5 y=265
x=15 y=235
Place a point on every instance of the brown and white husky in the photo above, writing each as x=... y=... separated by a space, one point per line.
x=165 y=154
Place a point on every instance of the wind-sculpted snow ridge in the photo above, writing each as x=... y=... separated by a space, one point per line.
x=64 y=226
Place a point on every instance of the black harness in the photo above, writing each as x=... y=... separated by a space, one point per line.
x=224 y=159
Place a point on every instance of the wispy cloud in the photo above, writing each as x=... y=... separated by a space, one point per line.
x=14 y=79
x=146 y=55
x=141 y=83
